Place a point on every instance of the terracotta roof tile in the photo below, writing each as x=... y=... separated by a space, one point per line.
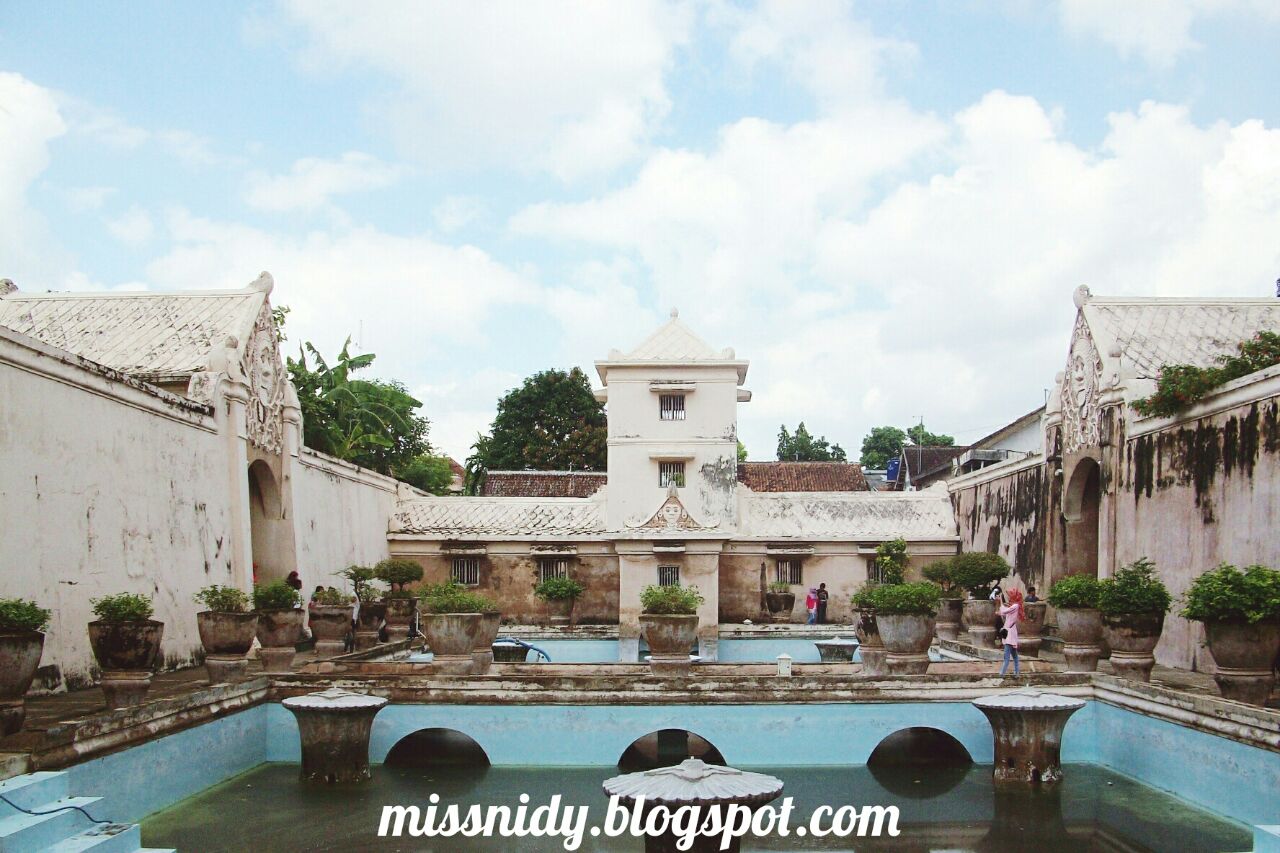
x=542 y=484
x=802 y=477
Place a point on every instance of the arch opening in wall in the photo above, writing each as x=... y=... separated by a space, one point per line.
x=270 y=532
x=919 y=763
x=1081 y=505
x=665 y=748
x=437 y=747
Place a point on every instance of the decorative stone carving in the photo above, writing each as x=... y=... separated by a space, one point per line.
x=1027 y=726
x=671 y=516
x=265 y=374
x=1080 y=411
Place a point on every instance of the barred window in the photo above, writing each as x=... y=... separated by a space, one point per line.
x=466 y=570
x=552 y=567
x=671 y=472
x=668 y=575
x=671 y=407
x=790 y=572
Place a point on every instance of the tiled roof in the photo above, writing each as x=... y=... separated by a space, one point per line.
x=479 y=516
x=543 y=484
x=1155 y=332
x=802 y=476
x=923 y=461
x=674 y=341
x=871 y=516
x=142 y=334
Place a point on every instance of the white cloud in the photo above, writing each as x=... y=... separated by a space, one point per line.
x=571 y=87
x=312 y=182
x=457 y=211
x=1158 y=31
x=134 y=227
x=85 y=199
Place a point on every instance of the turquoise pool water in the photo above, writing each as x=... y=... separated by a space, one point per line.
x=730 y=650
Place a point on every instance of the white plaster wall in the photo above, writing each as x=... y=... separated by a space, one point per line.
x=105 y=487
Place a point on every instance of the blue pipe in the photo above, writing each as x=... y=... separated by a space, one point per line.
x=531 y=648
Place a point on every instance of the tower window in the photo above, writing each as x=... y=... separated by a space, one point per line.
x=671 y=473
x=668 y=575
x=466 y=571
x=671 y=407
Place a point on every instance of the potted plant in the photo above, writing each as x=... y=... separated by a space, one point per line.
x=1133 y=605
x=977 y=572
x=1241 y=616
x=1075 y=598
x=951 y=601
x=905 y=615
x=560 y=594
x=279 y=624
x=227 y=629
x=452 y=619
x=126 y=642
x=401 y=602
x=669 y=623
x=780 y=600
x=330 y=614
x=371 y=613
x=22 y=625
x=871 y=651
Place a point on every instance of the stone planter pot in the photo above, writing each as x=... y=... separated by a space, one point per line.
x=871 y=649
x=19 y=660
x=948 y=619
x=906 y=638
x=227 y=638
x=1244 y=655
x=278 y=632
x=452 y=639
x=1030 y=628
x=399 y=617
x=980 y=621
x=560 y=610
x=670 y=639
x=126 y=654
x=369 y=620
x=482 y=652
x=505 y=652
x=780 y=605
x=1132 y=638
x=1081 y=631
x=330 y=625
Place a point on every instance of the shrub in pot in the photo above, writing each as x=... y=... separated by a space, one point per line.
x=780 y=600
x=371 y=612
x=126 y=642
x=452 y=620
x=977 y=572
x=1241 y=615
x=1133 y=605
x=559 y=593
x=1075 y=598
x=22 y=625
x=951 y=602
x=279 y=624
x=401 y=603
x=905 y=615
x=227 y=629
x=669 y=623
x=330 y=614
x=871 y=651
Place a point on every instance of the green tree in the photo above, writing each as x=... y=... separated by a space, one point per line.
x=803 y=447
x=921 y=436
x=880 y=445
x=430 y=473
x=369 y=422
x=742 y=452
x=552 y=422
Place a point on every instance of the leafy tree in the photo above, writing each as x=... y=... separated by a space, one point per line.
x=921 y=436
x=803 y=447
x=742 y=452
x=369 y=422
x=552 y=422
x=882 y=444
x=430 y=473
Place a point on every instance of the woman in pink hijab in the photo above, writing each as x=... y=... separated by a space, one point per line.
x=1012 y=612
x=811 y=604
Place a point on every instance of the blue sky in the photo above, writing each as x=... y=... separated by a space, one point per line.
x=884 y=206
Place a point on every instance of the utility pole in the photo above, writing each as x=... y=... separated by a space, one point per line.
x=919 y=450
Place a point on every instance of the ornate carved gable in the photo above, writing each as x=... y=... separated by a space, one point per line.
x=1080 y=390
x=267 y=380
x=671 y=516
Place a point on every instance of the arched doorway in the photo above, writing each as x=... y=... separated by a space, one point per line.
x=1080 y=508
x=437 y=748
x=919 y=762
x=665 y=748
x=271 y=534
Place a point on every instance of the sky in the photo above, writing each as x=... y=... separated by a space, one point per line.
x=884 y=206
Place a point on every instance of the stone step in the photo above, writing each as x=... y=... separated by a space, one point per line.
x=32 y=790
x=103 y=838
x=29 y=833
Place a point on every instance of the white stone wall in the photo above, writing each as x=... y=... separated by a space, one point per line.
x=106 y=486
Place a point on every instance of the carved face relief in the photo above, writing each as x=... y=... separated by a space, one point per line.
x=671 y=514
x=1080 y=393
x=265 y=374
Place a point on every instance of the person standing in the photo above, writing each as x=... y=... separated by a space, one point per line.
x=1011 y=610
x=822 y=603
x=811 y=605
x=294 y=580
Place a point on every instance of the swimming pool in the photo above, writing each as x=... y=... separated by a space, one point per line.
x=730 y=650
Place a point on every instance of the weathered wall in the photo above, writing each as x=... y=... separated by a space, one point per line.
x=1001 y=510
x=1200 y=491
x=106 y=485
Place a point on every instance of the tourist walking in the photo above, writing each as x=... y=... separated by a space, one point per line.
x=811 y=605
x=1012 y=612
x=822 y=603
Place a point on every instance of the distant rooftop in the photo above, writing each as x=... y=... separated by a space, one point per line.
x=802 y=477
x=543 y=484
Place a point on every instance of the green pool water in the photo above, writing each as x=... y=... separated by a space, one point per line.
x=268 y=809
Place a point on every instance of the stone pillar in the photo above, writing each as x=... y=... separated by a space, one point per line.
x=1027 y=726
x=226 y=669
x=125 y=688
x=334 y=727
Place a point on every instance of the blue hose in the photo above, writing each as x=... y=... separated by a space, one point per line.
x=527 y=646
